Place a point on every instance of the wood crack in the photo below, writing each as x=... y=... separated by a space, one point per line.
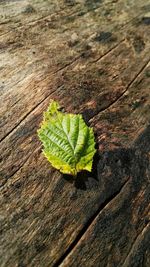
x=135 y=243
x=32 y=22
x=109 y=51
x=123 y=93
x=17 y=170
x=5 y=180
x=88 y=224
x=48 y=16
x=24 y=117
x=68 y=64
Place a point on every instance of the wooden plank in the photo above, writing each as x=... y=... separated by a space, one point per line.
x=45 y=218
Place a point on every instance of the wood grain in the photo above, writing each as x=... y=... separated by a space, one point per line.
x=40 y=62
x=93 y=57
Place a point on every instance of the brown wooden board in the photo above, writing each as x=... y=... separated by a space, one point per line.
x=93 y=57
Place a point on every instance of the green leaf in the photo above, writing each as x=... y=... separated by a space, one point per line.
x=68 y=142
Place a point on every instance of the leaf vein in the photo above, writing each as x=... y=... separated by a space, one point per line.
x=55 y=143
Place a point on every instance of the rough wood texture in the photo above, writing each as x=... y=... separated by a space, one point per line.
x=93 y=57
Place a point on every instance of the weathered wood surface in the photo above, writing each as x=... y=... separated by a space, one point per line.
x=93 y=57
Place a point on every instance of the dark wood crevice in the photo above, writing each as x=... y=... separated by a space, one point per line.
x=88 y=224
x=123 y=93
x=133 y=246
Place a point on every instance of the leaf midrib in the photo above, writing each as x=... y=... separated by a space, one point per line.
x=71 y=146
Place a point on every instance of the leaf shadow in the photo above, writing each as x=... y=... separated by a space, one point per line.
x=111 y=167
